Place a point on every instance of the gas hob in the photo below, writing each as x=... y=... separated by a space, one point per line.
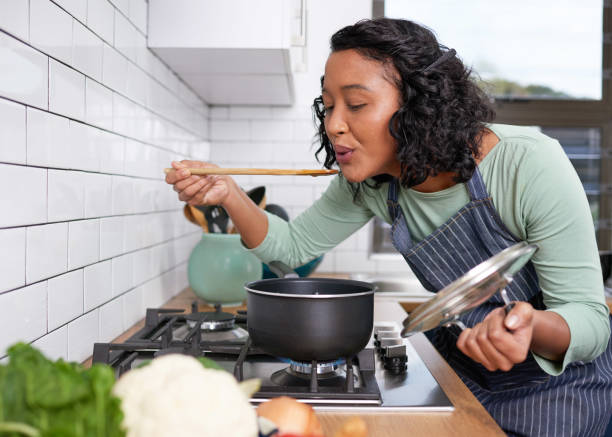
x=388 y=374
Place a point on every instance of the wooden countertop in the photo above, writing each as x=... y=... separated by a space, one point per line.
x=468 y=419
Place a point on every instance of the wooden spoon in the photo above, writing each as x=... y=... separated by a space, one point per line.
x=256 y=171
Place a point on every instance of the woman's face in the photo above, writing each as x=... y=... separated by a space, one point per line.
x=360 y=100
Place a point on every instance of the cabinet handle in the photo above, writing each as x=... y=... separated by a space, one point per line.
x=300 y=40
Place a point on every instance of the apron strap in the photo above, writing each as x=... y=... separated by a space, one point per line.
x=392 y=203
x=476 y=186
x=400 y=234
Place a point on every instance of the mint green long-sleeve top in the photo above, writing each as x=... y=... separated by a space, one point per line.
x=538 y=196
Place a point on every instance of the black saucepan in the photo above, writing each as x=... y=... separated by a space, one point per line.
x=308 y=319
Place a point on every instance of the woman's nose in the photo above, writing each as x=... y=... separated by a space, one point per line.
x=336 y=125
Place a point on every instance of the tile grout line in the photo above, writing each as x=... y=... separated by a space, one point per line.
x=93 y=126
x=145 y=35
x=131 y=252
x=140 y=104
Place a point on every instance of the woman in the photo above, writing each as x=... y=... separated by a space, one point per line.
x=411 y=134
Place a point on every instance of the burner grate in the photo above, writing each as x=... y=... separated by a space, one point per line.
x=350 y=380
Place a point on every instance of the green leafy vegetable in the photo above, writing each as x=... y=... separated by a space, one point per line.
x=209 y=364
x=143 y=364
x=42 y=398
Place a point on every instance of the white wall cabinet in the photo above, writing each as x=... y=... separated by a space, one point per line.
x=230 y=51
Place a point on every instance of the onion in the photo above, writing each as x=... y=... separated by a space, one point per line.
x=291 y=416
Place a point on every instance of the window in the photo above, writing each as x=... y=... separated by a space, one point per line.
x=547 y=49
x=546 y=63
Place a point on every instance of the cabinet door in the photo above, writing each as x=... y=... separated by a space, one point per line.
x=220 y=24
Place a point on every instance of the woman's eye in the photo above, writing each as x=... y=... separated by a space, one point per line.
x=328 y=108
x=356 y=107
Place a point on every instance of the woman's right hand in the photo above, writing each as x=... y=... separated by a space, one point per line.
x=198 y=190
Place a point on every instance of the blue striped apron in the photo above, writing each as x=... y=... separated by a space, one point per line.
x=525 y=401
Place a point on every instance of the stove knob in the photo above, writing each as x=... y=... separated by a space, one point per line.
x=385 y=342
x=388 y=332
x=381 y=329
x=395 y=358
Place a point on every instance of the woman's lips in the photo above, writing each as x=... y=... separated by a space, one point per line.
x=343 y=154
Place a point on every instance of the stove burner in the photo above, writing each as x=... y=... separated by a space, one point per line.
x=290 y=378
x=217 y=321
x=322 y=368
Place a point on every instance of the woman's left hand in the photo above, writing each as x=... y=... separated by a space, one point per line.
x=500 y=341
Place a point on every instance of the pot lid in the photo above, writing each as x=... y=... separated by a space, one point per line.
x=470 y=290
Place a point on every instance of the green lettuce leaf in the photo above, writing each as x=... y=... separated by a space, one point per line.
x=56 y=399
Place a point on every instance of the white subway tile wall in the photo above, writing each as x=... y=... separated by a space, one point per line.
x=23 y=314
x=264 y=136
x=15 y=18
x=12 y=132
x=25 y=71
x=46 y=251
x=76 y=8
x=25 y=202
x=87 y=51
x=65 y=298
x=90 y=234
x=66 y=90
x=12 y=258
x=51 y=30
x=55 y=344
x=83 y=243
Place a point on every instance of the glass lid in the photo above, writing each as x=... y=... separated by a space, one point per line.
x=470 y=290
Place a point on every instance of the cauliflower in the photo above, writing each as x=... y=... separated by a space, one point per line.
x=176 y=395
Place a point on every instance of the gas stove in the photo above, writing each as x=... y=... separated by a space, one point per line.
x=388 y=374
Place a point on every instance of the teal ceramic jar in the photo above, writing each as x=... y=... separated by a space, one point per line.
x=218 y=268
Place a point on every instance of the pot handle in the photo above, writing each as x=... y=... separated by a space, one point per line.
x=282 y=270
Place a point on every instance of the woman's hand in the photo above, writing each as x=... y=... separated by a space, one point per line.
x=500 y=341
x=250 y=220
x=198 y=190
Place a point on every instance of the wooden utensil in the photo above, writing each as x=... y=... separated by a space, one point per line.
x=256 y=171
x=195 y=216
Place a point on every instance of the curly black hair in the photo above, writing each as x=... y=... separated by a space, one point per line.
x=443 y=112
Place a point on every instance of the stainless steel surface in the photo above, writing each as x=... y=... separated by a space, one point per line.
x=386 y=332
x=396 y=288
x=384 y=341
x=218 y=325
x=470 y=290
x=379 y=329
x=414 y=390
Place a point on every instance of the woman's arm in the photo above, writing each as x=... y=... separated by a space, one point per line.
x=544 y=198
x=551 y=335
x=329 y=221
x=249 y=219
